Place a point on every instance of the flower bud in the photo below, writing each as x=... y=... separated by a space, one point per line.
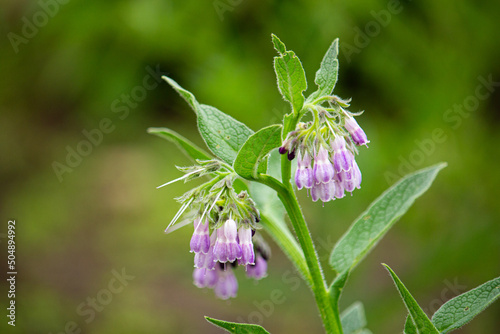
x=357 y=134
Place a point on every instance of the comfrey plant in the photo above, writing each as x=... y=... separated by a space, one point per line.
x=250 y=188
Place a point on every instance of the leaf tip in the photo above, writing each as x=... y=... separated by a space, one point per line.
x=278 y=44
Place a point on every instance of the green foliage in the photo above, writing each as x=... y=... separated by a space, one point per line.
x=373 y=224
x=326 y=76
x=353 y=319
x=184 y=144
x=422 y=323
x=252 y=157
x=236 y=328
x=410 y=326
x=290 y=75
x=460 y=310
x=223 y=134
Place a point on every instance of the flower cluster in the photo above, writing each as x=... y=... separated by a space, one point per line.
x=224 y=237
x=325 y=150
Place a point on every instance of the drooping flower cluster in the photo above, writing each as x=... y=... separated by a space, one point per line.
x=325 y=150
x=224 y=237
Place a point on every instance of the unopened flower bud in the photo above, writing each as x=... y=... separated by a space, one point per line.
x=357 y=134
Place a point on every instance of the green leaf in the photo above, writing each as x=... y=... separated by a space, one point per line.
x=236 y=328
x=422 y=323
x=326 y=76
x=252 y=157
x=460 y=310
x=223 y=134
x=188 y=96
x=373 y=224
x=278 y=44
x=410 y=326
x=291 y=79
x=186 y=146
x=353 y=319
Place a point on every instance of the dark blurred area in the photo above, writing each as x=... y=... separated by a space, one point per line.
x=80 y=86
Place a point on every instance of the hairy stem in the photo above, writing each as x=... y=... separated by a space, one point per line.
x=329 y=314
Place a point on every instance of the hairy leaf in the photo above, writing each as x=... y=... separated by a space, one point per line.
x=374 y=223
x=422 y=323
x=236 y=328
x=410 y=326
x=278 y=44
x=291 y=78
x=188 y=147
x=326 y=76
x=252 y=157
x=460 y=310
x=223 y=134
x=353 y=319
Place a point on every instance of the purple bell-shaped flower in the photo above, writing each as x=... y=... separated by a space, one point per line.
x=323 y=169
x=247 y=252
x=304 y=173
x=200 y=241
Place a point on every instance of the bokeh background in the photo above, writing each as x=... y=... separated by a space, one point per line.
x=69 y=66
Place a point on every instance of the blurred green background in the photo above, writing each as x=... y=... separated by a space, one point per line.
x=69 y=67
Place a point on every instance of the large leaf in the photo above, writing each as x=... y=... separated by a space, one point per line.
x=374 y=223
x=290 y=75
x=252 y=157
x=460 y=310
x=236 y=328
x=189 y=148
x=353 y=320
x=223 y=134
x=326 y=76
x=423 y=325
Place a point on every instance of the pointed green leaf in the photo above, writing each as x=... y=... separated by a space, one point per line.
x=236 y=328
x=186 y=95
x=422 y=323
x=278 y=44
x=186 y=146
x=374 y=223
x=252 y=157
x=223 y=134
x=460 y=310
x=291 y=79
x=326 y=76
x=353 y=319
x=410 y=326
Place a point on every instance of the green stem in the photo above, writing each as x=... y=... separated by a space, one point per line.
x=287 y=242
x=287 y=196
